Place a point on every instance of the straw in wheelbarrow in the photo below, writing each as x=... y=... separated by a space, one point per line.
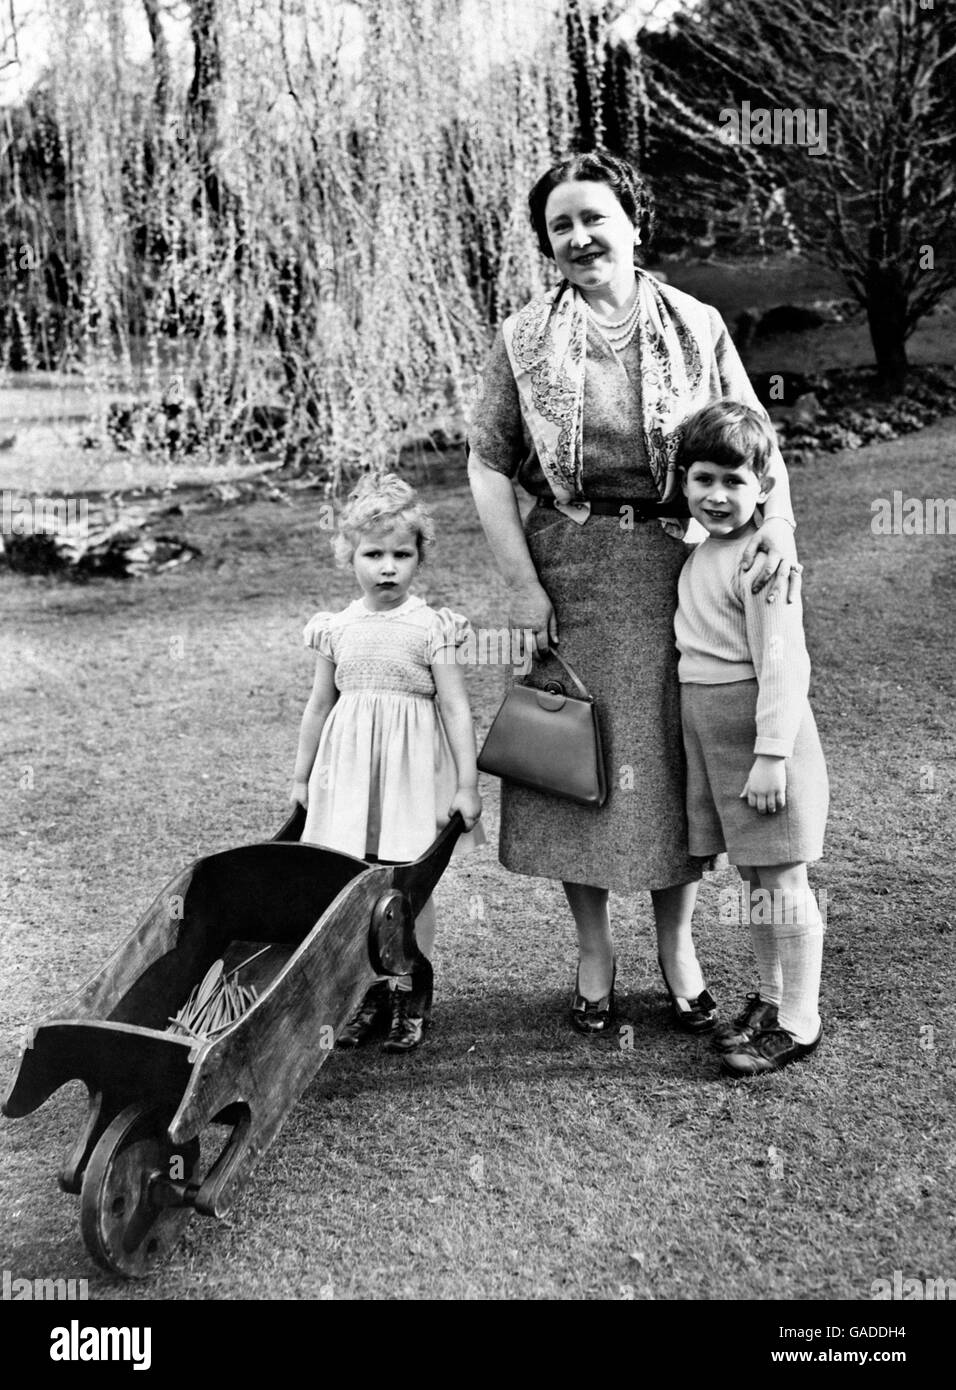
x=216 y=1003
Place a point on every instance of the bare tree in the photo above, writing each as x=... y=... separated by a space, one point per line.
x=875 y=197
x=160 y=58
x=204 y=91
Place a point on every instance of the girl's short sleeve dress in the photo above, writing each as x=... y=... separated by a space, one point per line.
x=614 y=590
x=384 y=774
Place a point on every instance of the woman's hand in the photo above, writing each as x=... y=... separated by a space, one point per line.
x=531 y=611
x=468 y=802
x=766 y=788
x=300 y=794
x=775 y=540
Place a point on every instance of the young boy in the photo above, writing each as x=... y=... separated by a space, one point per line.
x=756 y=778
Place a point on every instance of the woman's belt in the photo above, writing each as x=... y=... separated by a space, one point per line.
x=640 y=508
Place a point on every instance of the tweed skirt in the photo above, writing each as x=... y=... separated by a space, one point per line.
x=719 y=723
x=614 y=593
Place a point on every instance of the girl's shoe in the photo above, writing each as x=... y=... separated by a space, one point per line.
x=368 y=1018
x=408 y=1027
x=756 y=1014
x=411 y=1010
x=692 y=1015
x=769 y=1050
x=592 y=1015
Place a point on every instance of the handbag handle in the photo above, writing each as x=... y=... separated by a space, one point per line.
x=582 y=688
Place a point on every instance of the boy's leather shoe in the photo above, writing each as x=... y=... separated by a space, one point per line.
x=756 y=1014
x=769 y=1050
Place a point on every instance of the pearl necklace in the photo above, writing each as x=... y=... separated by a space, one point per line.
x=618 y=334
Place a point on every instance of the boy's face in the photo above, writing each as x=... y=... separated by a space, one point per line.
x=723 y=499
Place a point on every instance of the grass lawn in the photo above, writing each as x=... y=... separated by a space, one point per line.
x=508 y=1158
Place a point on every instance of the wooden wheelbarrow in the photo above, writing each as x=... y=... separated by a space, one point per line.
x=316 y=928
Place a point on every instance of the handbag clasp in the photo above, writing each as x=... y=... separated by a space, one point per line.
x=552 y=696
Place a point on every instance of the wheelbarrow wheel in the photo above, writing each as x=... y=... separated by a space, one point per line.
x=131 y=1210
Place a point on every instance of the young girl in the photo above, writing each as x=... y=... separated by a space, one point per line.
x=379 y=768
x=756 y=778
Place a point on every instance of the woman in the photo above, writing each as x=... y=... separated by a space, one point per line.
x=597 y=376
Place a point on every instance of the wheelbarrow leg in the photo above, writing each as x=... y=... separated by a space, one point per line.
x=222 y=1183
x=103 y=1108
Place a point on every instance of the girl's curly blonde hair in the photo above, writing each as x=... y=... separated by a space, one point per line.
x=380 y=503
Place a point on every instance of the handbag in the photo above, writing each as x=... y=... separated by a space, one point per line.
x=549 y=741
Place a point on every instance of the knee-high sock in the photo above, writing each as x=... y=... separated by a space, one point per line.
x=800 y=948
x=768 y=962
x=765 y=949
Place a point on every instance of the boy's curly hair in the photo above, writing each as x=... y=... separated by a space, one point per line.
x=381 y=502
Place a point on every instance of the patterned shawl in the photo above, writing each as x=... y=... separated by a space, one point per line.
x=546 y=345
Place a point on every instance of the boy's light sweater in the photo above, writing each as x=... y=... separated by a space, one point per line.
x=727 y=633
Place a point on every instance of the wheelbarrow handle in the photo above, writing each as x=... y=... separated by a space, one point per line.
x=293 y=828
x=418 y=879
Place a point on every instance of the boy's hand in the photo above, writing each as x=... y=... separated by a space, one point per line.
x=468 y=802
x=766 y=788
x=300 y=794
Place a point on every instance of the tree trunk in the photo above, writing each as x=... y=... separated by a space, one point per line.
x=161 y=81
x=886 y=306
x=203 y=96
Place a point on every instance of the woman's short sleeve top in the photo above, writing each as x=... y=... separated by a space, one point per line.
x=615 y=462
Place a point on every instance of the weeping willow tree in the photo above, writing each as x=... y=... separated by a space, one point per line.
x=315 y=205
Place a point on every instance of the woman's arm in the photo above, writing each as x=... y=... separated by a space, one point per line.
x=317 y=711
x=775 y=535
x=460 y=728
x=774 y=538
x=498 y=510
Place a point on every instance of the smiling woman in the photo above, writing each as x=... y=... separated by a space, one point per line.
x=592 y=241
x=600 y=374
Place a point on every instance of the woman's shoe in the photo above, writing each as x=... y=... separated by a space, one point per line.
x=592 y=1015
x=756 y=1014
x=368 y=1018
x=692 y=1015
x=769 y=1050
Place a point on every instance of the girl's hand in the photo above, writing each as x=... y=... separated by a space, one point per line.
x=468 y=802
x=775 y=540
x=766 y=788
x=300 y=794
x=531 y=610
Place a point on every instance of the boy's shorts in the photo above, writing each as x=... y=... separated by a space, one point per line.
x=719 y=723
